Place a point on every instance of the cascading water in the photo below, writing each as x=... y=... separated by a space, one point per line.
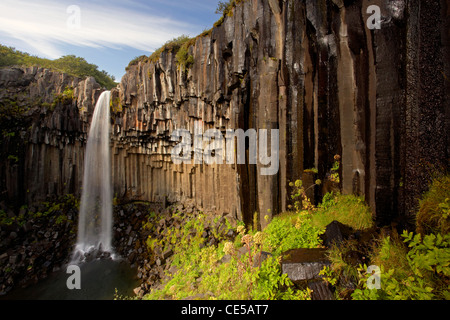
x=95 y=217
x=100 y=278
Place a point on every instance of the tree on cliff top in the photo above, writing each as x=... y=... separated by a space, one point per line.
x=70 y=64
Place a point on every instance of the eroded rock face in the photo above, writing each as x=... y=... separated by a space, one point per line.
x=312 y=69
x=43 y=139
x=316 y=72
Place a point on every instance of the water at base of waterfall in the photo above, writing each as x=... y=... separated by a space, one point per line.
x=100 y=279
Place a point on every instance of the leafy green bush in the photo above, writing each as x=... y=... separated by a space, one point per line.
x=423 y=275
x=226 y=7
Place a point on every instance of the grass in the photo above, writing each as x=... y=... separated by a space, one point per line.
x=347 y=209
x=434 y=208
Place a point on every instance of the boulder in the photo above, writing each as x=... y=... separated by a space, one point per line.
x=320 y=291
x=304 y=264
x=336 y=233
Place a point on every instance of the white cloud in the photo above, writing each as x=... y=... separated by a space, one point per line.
x=44 y=26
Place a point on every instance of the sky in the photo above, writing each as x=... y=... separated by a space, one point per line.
x=108 y=34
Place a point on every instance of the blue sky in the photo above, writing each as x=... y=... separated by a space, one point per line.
x=107 y=33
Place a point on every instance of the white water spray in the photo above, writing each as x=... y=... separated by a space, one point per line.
x=95 y=217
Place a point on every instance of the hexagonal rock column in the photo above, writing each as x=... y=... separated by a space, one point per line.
x=303 y=266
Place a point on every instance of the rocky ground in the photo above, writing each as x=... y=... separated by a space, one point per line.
x=131 y=236
x=41 y=242
x=33 y=247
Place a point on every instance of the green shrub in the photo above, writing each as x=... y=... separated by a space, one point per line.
x=66 y=97
x=422 y=273
x=434 y=208
x=291 y=231
x=171 y=46
x=183 y=57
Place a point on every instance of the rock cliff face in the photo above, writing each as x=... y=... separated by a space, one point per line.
x=43 y=134
x=312 y=69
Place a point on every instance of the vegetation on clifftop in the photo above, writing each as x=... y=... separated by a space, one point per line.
x=70 y=64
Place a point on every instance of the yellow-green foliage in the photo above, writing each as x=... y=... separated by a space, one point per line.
x=434 y=208
x=115 y=105
x=136 y=60
x=65 y=97
x=54 y=211
x=202 y=275
x=170 y=46
x=419 y=269
x=291 y=231
x=183 y=57
x=347 y=209
x=180 y=47
x=226 y=9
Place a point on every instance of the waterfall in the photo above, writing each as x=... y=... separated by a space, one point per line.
x=95 y=217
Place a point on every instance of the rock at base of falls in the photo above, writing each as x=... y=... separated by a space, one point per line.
x=303 y=266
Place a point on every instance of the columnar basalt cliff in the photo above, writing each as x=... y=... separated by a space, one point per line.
x=43 y=133
x=316 y=72
x=312 y=69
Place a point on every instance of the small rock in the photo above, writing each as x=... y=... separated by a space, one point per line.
x=226 y=258
x=130 y=241
x=231 y=234
x=166 y=254
x=138 y=292
x=13 y=259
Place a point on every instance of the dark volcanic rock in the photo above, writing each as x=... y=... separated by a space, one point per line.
x=336 y=233
x=304 y=264
x=312 y=70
